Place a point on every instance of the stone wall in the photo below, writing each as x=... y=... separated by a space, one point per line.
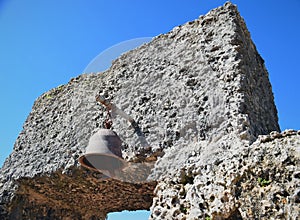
x=261 y=182
x=201 y=97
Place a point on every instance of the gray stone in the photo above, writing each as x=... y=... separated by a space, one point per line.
x=201 y=96
x=261 y=182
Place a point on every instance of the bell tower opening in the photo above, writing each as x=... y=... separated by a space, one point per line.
x=130 y=215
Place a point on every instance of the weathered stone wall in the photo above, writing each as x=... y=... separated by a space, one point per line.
x=200 y=94
x=199 y=85
x=261 y=182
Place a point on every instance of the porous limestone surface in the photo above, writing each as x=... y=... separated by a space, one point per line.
x=201 y=96
x=262 y=182
x=205 y=93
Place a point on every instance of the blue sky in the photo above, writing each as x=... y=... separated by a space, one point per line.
x=45 y=43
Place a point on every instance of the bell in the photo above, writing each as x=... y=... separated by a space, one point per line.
x=103 y=153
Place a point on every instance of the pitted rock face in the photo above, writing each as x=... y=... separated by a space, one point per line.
x=205 y=90
x=201 y=96
x=262 y=182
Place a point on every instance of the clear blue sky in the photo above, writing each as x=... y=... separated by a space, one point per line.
x=45 y=43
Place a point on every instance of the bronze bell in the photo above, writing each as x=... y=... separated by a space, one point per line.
x=103 y=153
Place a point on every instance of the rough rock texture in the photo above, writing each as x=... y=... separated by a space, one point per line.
x=201 y=95
x=261 y=182
x=82 y=195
